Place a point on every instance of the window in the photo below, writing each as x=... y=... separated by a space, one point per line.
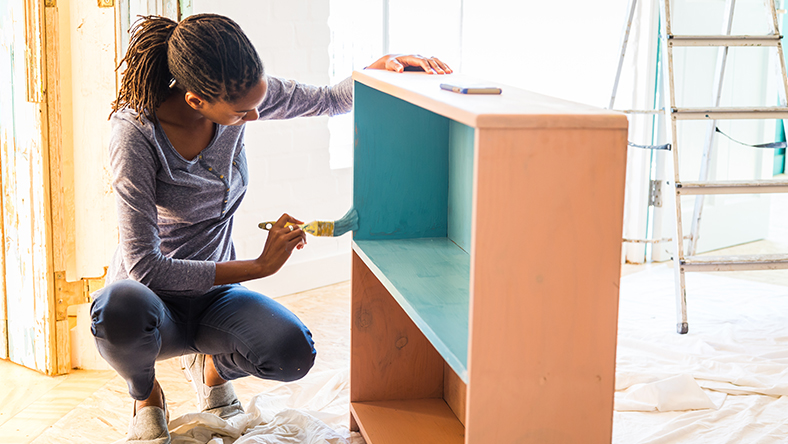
x=131 y=10
x=356 y=41
x=362 y=31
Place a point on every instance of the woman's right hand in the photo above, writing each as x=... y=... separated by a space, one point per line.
x=281 y=241
x=399 y=62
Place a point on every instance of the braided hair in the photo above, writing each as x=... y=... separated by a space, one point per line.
x=206 y=54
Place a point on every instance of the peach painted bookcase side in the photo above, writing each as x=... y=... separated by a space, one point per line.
x=486 y=264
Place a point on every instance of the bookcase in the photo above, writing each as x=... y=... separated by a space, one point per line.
x=485 y=266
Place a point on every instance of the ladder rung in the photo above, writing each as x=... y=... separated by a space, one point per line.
x=732 y=263
x=724 y=40
x=733 y=187
x=763 y=112
x=640 y=111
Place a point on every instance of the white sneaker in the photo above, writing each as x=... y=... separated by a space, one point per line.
x=219 y=400
x=149 y=425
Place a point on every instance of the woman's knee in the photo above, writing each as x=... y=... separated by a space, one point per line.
x=124 y=310
x=295 y=354
x=274 y=343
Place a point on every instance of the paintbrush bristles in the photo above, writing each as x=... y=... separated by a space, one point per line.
x=348 y=222
x=319 y=228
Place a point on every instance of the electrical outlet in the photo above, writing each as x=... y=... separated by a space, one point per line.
x=106 y=3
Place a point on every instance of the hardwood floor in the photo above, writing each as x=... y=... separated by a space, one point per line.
x=31 y=402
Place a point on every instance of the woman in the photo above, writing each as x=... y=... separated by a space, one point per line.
x=179 y=173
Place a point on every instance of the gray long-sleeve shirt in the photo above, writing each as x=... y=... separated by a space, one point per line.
x=176 y=215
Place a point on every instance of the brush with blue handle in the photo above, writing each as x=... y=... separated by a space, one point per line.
x=348 y=222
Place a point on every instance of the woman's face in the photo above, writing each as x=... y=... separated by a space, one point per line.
x=237 y=112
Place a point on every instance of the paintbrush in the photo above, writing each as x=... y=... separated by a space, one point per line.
x=348 y=222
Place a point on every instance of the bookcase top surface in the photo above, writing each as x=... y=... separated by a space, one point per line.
x=513 y=108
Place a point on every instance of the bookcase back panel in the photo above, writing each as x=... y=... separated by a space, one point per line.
x=400 y=186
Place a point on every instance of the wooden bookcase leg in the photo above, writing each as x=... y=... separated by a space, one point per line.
x=454 y=392
x=353 y=424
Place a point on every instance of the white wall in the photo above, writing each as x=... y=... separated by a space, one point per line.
x=564 y=49
x=289 y=160
x=87 y=68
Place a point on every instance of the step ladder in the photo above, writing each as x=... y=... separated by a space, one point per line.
x=690 y=262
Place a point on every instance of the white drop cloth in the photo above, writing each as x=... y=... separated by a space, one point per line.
x=313 y=410
x=724 y=382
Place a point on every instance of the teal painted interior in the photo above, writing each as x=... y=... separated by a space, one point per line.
x=429 y=278
x=412 y=189
x=779 y=154
x=461 y=142
x=400 y=179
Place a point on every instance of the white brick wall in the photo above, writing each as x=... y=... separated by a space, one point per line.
x=288 y=160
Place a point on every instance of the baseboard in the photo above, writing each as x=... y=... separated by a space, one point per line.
x=303 y=276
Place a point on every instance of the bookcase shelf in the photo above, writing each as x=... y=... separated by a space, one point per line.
x=485 y=266
x=429 y=278
x=397 y=422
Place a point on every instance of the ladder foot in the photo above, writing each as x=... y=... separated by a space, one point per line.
x=682 y=328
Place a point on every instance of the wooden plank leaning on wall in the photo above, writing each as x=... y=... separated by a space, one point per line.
x=46 y=359
x=60 y=81
x=25 y=307
x=26 y=210
x=3 y=305
x=61 y=173
x=82 y=50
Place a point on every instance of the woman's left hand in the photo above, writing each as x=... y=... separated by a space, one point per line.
x=398 y=63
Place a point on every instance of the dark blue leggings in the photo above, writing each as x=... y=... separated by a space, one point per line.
x=245 y=332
